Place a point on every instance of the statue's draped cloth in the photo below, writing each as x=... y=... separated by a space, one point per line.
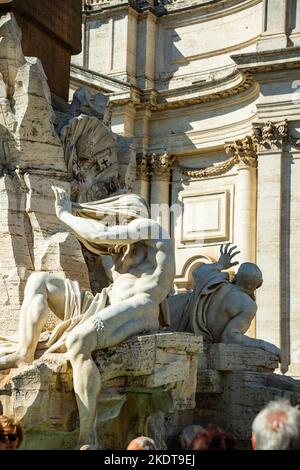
x=208 y=281
x=81 y=304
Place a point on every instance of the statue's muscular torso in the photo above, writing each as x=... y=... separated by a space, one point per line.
x=144 y=268
x=228 y=302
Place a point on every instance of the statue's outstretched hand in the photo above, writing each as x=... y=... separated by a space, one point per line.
x=63 y=204
x=226 y=255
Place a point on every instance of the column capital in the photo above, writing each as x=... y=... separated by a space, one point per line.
x=243 y=152
x=142 y=168
x=272 y=136
x=161 y=165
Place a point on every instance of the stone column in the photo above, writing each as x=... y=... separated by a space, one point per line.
x=141 y=133
x=141 y=185
x=294 y=22
x=274 y=35
x=146 y=50
x=294 y=249
x=160 y=180
x=271 y=229
x=246 y=212
x=244 y=152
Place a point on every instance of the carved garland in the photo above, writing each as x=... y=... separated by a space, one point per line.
x=266 y=136
x=208 y=172
x=243 y=152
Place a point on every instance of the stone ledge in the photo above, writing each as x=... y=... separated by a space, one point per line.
x=227 y=357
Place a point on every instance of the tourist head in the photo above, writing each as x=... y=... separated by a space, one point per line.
x=212 y=438
x=141 y=443
x=249 y=277
x=11 y=434
x=277 y=427
x=188 y=434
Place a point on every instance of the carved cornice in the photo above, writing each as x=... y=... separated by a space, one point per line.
x=246 y=83
x=151 y=102
x=272 y=136
x=268 y=61
x=161 y=165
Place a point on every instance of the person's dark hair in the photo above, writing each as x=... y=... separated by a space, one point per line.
x=11 y=422
x=212 y=438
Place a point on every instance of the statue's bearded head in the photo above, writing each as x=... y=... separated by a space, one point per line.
x=249 y=277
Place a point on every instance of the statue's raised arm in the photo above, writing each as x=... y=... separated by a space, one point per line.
x=95 y=231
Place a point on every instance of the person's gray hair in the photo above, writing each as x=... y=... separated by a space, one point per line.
x=142 y=443
x=277 y=427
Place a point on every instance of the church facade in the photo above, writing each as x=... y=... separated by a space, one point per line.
x=209 y=90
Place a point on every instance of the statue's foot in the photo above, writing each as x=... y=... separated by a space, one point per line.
x=11 y=361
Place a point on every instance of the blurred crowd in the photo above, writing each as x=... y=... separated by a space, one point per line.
x=276 y=427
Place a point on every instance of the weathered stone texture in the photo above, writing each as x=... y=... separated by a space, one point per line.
x=142 y=377
x=31 y=160
x=235 y=384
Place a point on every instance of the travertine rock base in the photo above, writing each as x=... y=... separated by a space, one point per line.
x=149 y=388
x=143 y=378
x=234 y=384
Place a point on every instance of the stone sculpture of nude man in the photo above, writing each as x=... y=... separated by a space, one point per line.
x=219 y=310
x=142 y=273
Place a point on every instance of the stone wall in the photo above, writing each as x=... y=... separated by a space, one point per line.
x=31 y=161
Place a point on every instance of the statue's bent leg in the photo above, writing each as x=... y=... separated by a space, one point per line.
x=40 y=290
x=107 y=328
x=86 y=379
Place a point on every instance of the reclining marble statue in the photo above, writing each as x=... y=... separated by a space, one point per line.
x=219 y=310
x=139 y=257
